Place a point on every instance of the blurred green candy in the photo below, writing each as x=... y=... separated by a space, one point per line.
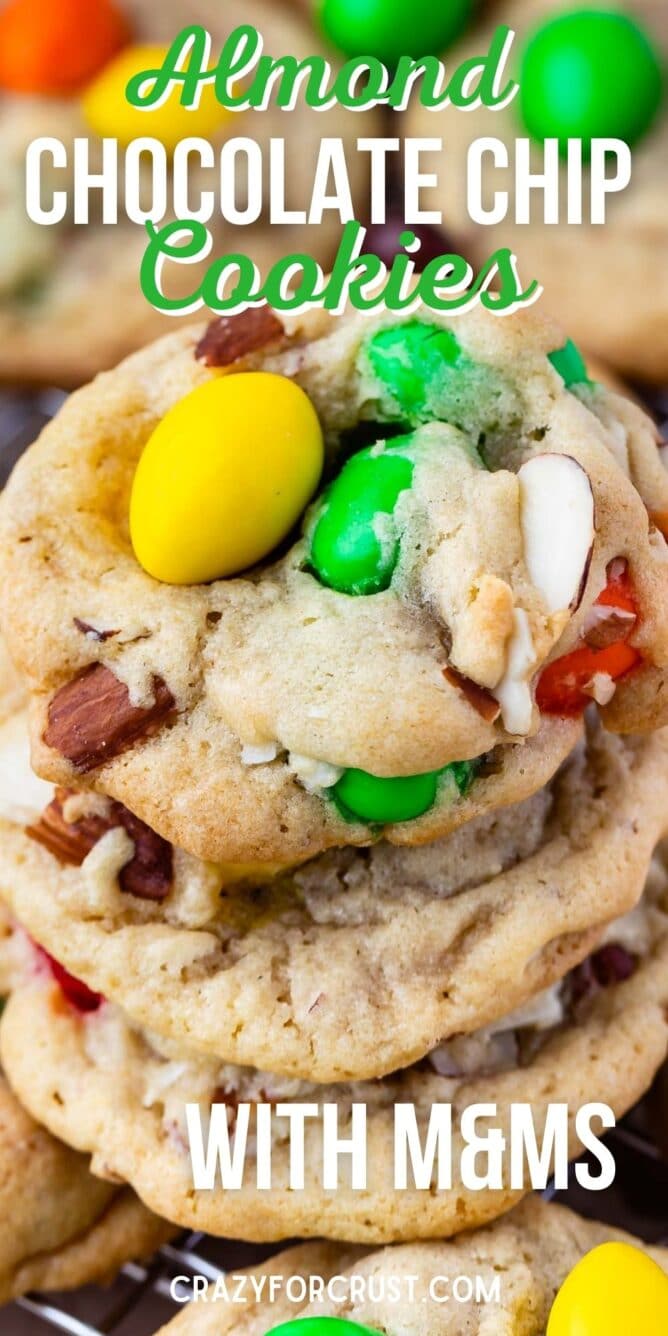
x=389 y=29
x=590 y=74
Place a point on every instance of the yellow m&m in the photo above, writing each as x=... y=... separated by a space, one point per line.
x=108 y=113
x=615 y=1290
x=224 y=477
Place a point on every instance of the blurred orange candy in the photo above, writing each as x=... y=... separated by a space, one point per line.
x=58 y=46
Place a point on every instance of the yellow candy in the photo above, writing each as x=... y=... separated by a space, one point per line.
x=224 y=477
x=109 y=114
x=615 y=1290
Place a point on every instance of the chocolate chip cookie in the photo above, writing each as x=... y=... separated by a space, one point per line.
x=120 y=1093
x=516 y=573
x=61 y=1226
x=528 y=1254
x=354 y=963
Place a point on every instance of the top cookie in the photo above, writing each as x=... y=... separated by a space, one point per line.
x=467 y=586
x=608 y=282
x=70 y=300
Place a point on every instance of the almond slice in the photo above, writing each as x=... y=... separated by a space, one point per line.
x=92 y=719
x=92 y=632
x=482 y=700
x=148 y=874
x=69 y=842
x=232 y=337
x=558 y=527
x=605 y=625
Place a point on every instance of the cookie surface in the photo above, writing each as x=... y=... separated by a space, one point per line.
x=581 y=267
x=67 y=1227
x=187 y=693
x=19 y=807
x=70 y=298
x=14 y=952
x=120 y=1094
x=531 y=1250
x=356 y=963
x=321 y=1258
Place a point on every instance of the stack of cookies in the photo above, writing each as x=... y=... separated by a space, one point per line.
x=68 y=1228
x=375 y=819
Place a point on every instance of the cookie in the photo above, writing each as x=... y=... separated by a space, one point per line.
x=70 y=297
x=15 y=952
x=530 y=1252
x=67 y=1227
x=12 y=693
x=321 y=1258
x=120 y=1094
x=24 y=795
x=582 y=267
x=357 y=962
x=221 y=714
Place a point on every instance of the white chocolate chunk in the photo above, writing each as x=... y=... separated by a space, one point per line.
x=313 y=774
x=514 y=691
x=260 y=755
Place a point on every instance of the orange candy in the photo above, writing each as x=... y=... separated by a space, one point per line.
x=563 y=686
x=56 y=47
x=618 y=592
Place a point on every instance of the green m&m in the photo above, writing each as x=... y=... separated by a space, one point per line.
x=379 y=801
x=389 y=29
x=570 y=364
x=355 y=542
x=589 y=74
x=321 y=1326
x=418 y=372
x=409 y=358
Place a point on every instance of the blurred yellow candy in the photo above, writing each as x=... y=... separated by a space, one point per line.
x=615 y=1290
x=224 y=477
x=109 y=114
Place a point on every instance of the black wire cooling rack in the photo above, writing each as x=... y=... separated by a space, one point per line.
x=141 y=1299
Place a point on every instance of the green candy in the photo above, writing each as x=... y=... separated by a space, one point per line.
x=418 y=372
x=590 y=74
x=321 y=1326
x=383 y=801
x=463 y=773
x=569 y=363
x=355 y=543
x=408 y=358
x=389 y=29
x=364 y=797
